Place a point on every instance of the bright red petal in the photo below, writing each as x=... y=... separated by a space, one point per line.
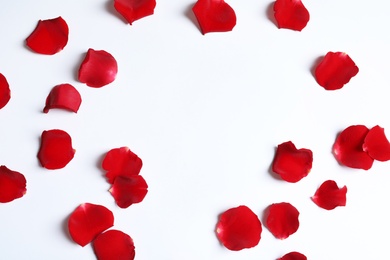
x=56 y=149
x=133 y=10
x=214 y=16
x=335 y=70
x=239 y=228
x=12 y=185
x=114 y=244
x=376 y=144
x=293 y=256
x=329 y=195
x=348 y=148
x=63 y=96
x=282 y=219
x=291 y=14
x=87 y=221
x=5 y=92
x=98 y=69
x=129 y=190
x=121 y=162
x=49 y=37
x=290 y=163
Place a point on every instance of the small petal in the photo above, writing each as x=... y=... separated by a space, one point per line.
x=291 y=14
x=282 y=219
x=12 y=185
x=329 y=196
x=63 y=96
x=293 y=256
x=129 y=190
x=5 y=92
x=133 y=10
x=376 y=144
x=114 y=244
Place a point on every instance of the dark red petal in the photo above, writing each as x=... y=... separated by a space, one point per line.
x=239 y=228
x=214 y=16
x=129 y=190
x=329 y=195
x=49 y=37
x=56 y=149
x=98 y=69
x=293 y=256
x=335 y=70
x=5 y=92
x=291 y=14
x=121 y=162
x=290 y=163
x=348 y=148
x=63 y=96
x=376 y=144
x=114 y=244
x=133 y=10
x=12 y=185
x=282 y=219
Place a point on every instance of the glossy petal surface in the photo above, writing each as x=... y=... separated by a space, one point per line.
x=376 y=144
x=293 y=256
x=291 y=14
x=114 y=244
x=129 y=190
x=5 y=92
x=133 y=10
x=63 y=96
x=282 y=219
x=329 y=196
x=12 y=185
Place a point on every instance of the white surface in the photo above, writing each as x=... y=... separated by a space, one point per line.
x=204 y=112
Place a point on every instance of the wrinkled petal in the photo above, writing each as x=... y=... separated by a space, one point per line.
x=12 y=185
x=133 y=10
x=348 y=148
x=291 y=14
x=114 y=244
x=129 y=190
x=56 y=149
x=87 y=221
x=282 y=219
x=98 y=69
x=329 y=196
x=63 y=96
x=293 y=256
x=335 y=70
x=49 y=37
x=214 y=16
x=5 y=92
x=239 y=228
x=376 y=144
x=290 y=163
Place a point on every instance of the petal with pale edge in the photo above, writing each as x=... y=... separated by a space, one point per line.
x=114 y=244
x=329 y=196
x=63 y=96
x=133 y=10
x=291 y=14
x=282 y=219
x=376 y=144
x=12 y=185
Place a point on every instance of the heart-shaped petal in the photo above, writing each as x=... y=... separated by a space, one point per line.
x=133 y=10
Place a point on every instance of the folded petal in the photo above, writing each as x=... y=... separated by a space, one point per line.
x=63 y=96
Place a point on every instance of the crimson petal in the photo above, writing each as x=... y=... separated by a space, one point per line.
x=5 y=92
x=282 y=219
x=239 y=228
x=49 y=37
x=376 y=144
x=335 y=70
x=63 y=96
x=293 y=256
x=12 y=185
x=291 y=14
x=214 y=16
x=133 y=10
x=329 y=196
x=129 y=190
x=114 y=244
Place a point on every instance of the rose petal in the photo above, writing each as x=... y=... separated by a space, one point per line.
x=12 y=185
x=98 y=68
x=129 y=190
x=133 y=10
x=348 y=148
x=63 y=96
x=329 y=196
x=114 y=244
x=290 y=163
x=335 y=70
x=121 y=162
x=5 y=92
x=56 y=149
x=282 y=219
x=49 y=37
x=214 y=16
x=239 y=228
x=293 y=256
x=291 y=14
x=87 y=221
x=376 y=144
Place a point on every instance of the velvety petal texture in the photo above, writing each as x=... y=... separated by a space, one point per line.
x=12 y=185
x=133 y=10
x=129 y=190
x=5 y=92
x=329 y=196
x=114 y=245
x=282 y=219
x=63 y=96
x=293 y=256
x=291 y=14
x=376 y=144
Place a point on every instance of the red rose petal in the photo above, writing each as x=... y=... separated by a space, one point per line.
x=56 y=149
x=49 y=37
x=5 y=92
x=121 y=162
x=129 y=190
x=98 y=69
x=239 y=228
x=12 y=185
x=133 y=10
x=214 y=16
x=291 y=14
x=348 y=148
x=282 y=219
x=114 y=244
x=290 y=163
x=335 y=70
x=87 y=221
x=293 y=256
x=63 y=96
x=376 y=144
x=329 y=196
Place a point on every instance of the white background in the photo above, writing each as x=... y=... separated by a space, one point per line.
x=205 y=113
